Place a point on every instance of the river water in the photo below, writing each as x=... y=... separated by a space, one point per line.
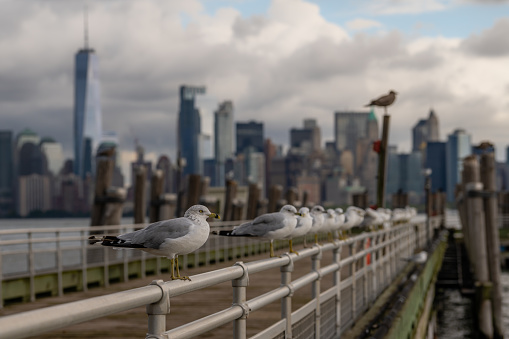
x=454 y=316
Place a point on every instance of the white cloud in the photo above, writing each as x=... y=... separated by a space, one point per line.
x=407 y=6
x=360 y=24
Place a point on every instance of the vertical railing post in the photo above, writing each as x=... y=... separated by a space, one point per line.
x=84 y=263
x=286 y=302
x=365 y=299
x=157 y=312
x=60 y=287
x=353 y=251
x=336 y=280
x=143 y=264
x=125 y=266
x=239 y=299
x=31 y=266
x=315 y=288
x=106 y=269
x=374 y=268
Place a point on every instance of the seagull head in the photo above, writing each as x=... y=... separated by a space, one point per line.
x=289 y=209
x=393 y=92
x=202 y=211
x=304 y=211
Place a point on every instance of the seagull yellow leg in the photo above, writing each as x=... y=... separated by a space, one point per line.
x=271 y=249
x=329 y=237
x=316 y=239
x=178 y=273
x=172 y=268
x=291 y=247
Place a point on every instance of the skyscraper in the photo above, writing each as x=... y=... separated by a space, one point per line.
x=6 y=173
x=223 y=139
x=87 y=110
x=436 y=161
x=189 y=129
x=249 y=134
x=348 y=128
x=420 y=135
x=458 y=146
x=433 y=129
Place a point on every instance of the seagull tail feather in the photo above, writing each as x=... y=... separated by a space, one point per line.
x=110 y=240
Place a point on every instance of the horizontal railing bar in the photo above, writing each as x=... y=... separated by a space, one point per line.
x=55 y=317
x=271 y=332
x=205 y=324
x=207 y=279
x=267 y=298
x=305 y=280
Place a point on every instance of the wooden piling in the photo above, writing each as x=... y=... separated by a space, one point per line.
x=274 y=195
x=382 y=163
x=252 y=201
x=115 y=197
x=104 y=174
x=231 y=192
x=292 y=196
x=140 y=202
x=492 y=239
x=193 y=190
x=477 y=229
x=156 y=190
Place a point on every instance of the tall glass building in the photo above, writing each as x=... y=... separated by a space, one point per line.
x=87 y=111
x=223 y=139
x=189 y=129
x=458 y=146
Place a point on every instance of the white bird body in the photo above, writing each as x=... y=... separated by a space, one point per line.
x=329 y=221
x=419 y=258
x=340 y=219
x=318 y=215
x=277 y=225
x=167 y=238
x=353 y=217
x=372 y=218
x=304 y=223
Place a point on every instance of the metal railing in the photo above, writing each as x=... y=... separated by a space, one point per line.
x=371 y=263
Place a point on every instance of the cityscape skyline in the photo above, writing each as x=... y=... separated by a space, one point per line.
x=265 y=77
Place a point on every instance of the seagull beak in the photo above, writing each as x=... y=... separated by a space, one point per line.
x=214 y=215
x=299 y=214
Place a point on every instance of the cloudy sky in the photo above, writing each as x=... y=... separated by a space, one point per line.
x=279 y=61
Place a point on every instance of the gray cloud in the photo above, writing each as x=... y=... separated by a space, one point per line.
x=493 y=42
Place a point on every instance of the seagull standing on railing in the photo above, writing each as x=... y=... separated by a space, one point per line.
x=304 y=224
x=353 y=217
x=277 y=225
x=318 y=215
x=167 y=238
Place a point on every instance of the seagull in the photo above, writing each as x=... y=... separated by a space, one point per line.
x=318 y=215
x=304 y=224
x=167 y=238
x=372 y=219
x=419 y=258
x=340 y=219
x=329 y=223
x=353 y=217
x=384 y=100
x=277 y=225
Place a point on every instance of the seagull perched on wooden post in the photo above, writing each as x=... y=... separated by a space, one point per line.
x=384 y=100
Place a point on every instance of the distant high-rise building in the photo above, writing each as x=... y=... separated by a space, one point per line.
x=420 y=135
x=6 y=173
x=348 y=128
x=223 y=139
x=507 y=155
x=458 y=146
x=433 y=128
x=30 y=159
x=87 y=111
x=436 y=161
x=249 y=134
x=54 y=154
x=34 y=194
x=307 y=139
x=164 y=164
x=189 y=129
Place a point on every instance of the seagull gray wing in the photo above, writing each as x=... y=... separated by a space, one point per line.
x=154 y=234
x=261 y=225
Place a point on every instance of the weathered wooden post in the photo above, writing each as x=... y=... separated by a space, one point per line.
x=492 y=239
x=274 y=195
x=193 y=190
x=115 y=197
x=382 y=163
x=104 y=173
x=231 y=192
x=292 y=196
x=305 y=197
x=252 y=201
x=156 y=190
x=475 y=215
x=140 y=203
